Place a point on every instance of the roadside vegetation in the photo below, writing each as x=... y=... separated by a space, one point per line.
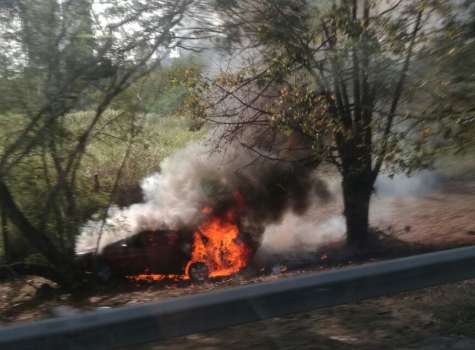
x=67 y=75
x=91 y=102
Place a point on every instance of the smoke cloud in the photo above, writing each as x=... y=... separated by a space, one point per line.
x=289 y=210
x=200 y=176
x=300 y=236
x=400 y=185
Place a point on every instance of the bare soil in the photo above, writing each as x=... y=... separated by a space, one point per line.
x=439 y=219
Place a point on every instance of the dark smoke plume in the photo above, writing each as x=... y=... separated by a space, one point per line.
x=270 y=181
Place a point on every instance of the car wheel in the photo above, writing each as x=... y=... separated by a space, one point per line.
x=198 y=272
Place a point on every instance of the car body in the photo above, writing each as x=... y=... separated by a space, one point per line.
x=148 y=252
x=163 y=252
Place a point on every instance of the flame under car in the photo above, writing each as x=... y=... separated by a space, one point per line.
x=148 y=252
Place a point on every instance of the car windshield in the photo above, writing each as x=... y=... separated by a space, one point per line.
x=241 y=174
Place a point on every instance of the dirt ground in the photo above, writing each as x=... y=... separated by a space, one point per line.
x=424 y=319
x=442 y=218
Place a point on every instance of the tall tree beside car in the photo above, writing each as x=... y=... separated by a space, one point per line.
x=339 y=73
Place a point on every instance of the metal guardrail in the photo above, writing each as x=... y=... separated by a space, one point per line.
x=138 y=324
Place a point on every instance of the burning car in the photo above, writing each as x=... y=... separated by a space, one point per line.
x=215 y=248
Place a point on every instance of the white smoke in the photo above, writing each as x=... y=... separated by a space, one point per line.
x=302 y=234
x=196 y=177
x=173 y=199
x=401 y=185
x=323 y=224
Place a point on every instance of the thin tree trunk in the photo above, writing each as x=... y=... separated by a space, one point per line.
x=63 y=265
x=5 y=236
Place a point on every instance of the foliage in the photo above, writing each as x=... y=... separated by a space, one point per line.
x=449 y=83
x=340 y=74
x=70 y=76
x=158 y=135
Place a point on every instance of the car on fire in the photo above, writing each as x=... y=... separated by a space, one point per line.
x=161 y=252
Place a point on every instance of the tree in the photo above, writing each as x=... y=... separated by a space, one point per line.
x=64 y=56
x=449 y=63
x=337 y=73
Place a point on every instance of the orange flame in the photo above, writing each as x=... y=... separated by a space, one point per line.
x=217 y=244
x=157 y=277
x=207 y=210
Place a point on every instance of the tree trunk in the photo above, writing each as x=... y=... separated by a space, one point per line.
x=357 y=191
x=64 y=266
x=5 y=236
